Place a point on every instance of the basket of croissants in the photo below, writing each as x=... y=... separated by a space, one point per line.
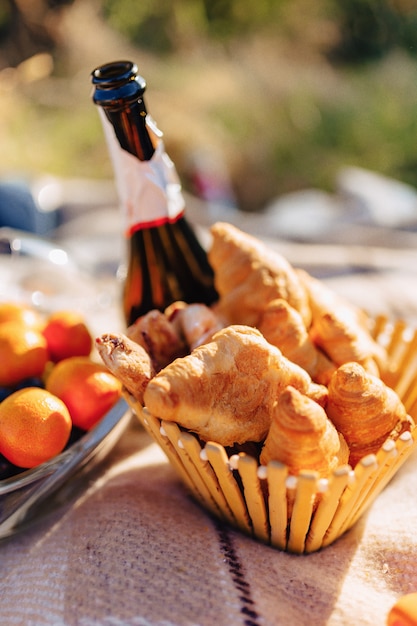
x=284 y=408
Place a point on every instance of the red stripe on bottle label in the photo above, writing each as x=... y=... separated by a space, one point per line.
x=154 y=223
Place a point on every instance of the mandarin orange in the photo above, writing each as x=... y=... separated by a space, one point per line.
x=23 y=353
x=67 y=335
x=404 y=611
x=88 y=389
x=35 y=426
x=20 y=312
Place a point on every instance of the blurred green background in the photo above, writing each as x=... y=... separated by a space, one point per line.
x=280 y=93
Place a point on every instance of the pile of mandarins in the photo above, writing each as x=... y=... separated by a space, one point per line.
x=51 y=389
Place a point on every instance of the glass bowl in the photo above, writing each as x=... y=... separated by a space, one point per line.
x=42 y=274
x=30 y=494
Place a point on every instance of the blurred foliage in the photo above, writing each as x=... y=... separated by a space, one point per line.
x=371 y=28
x=287 y=91
x=367 y=28
x=371 y=120
x=165 y=26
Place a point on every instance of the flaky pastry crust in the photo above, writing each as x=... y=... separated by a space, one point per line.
x=155 y=332
x=282 y=326
x=128 y=361
x=224 y=390
x=248 y=275
x=364 y=410
x=302 y=437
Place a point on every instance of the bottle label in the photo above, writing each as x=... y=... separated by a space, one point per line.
x=149 y=191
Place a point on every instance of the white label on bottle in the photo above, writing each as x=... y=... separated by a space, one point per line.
x=149 y=191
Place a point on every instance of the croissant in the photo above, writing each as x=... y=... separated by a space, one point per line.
x=158 y=336
x=322 y=298
x=225 y=389
x=282 y=326
x=128 y=361
x=339 y=328
x=248 y=275
x=364 y=410
x=302 y=437
x=198 y=323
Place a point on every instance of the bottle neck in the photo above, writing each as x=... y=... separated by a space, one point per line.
x=119 y=91
x=148 y=184
x=131 y=130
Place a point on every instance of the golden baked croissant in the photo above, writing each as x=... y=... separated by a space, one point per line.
x=321 y=298
x=159 y=337
x=197 y=323
x=128 y=361
x=302 y=437
x=248 y=275
x=364 y=410
x=283 y=327
x=225 y=389
x=339 y=328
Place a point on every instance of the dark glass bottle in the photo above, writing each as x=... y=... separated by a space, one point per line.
x=165 y=260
